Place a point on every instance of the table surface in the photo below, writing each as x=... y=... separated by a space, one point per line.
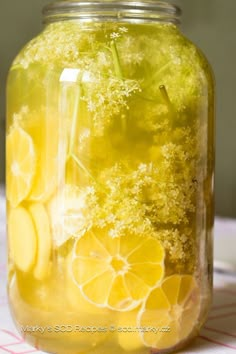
x=217 y=336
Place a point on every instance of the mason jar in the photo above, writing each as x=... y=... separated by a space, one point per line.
x=110 y=161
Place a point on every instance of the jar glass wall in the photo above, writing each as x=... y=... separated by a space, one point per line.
x=110 y=161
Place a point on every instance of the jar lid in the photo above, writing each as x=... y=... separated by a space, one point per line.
x=151 y=10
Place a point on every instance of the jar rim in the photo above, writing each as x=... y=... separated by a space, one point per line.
x=149 y=10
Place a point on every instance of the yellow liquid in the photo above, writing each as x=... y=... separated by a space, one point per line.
x=109 y=174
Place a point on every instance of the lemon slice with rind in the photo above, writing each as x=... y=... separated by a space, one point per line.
x=172 y=307
x=116 y=273
x=21 y=165
x=45 y=129
x=22 y=239
x=44 y=239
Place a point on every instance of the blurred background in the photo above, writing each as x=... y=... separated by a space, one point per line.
x=210 y=24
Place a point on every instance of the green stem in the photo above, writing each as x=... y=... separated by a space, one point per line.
x=80 y=165
x=124 y=123
x=74 y=121
x=156 y=75
x=169 y=104
x=116 y=60
x=119 y=75
x=73 y=134
x=166 y=98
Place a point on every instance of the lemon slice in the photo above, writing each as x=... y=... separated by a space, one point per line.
x=22 y=238
x=44 y=128
x=116 y=273
x=92 y=319
x=173 y=306
x=47 y=170
x=128 y=332
x=21 y=162
x=46 y=179
x=68 y=213
x=78 y=304
x=42 y=225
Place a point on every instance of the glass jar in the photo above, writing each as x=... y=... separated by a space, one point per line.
x=110 y=160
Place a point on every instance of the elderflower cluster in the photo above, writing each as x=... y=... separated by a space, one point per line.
x=107 y=99
x=152 y=199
